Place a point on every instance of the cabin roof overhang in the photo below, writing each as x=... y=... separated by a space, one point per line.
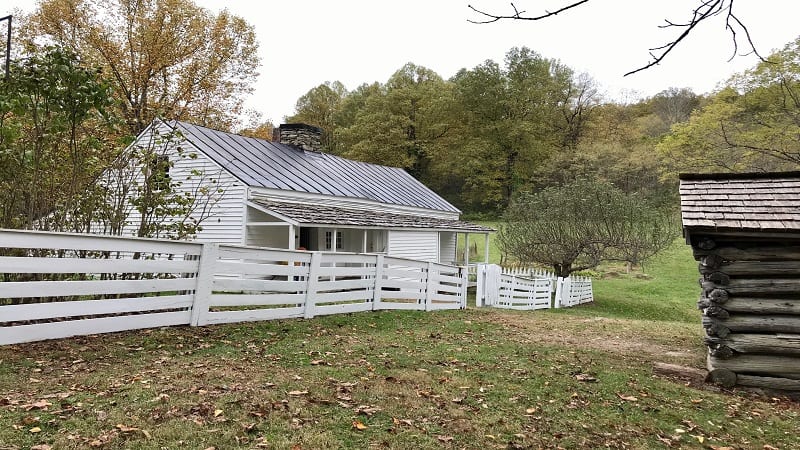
x=744 y=204
x=333 y=216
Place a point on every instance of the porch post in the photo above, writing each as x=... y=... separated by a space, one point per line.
x=291 y=237
x=364 y=244
x=466 y=249
x=333 y=240
x=486 y=249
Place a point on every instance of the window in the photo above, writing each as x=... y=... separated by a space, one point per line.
x=329 y=240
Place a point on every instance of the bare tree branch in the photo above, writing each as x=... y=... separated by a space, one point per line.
x=518 y=15
x=705 y=10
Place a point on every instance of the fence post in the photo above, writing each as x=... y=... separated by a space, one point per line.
x=205 y=280
x=559 y=292
x=429 y=287
x=376 y=293
x=311 y=285
x=480 y=272
x=464 y=286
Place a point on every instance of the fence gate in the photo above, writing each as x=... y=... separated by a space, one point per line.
x=529 y=289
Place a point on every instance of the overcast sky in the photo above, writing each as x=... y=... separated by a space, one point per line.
x=304 y=43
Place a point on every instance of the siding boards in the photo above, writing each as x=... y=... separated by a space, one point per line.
x=419 y=245
x=224 y=221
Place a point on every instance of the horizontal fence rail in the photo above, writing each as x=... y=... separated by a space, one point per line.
x=55 y=285
x=528 y=289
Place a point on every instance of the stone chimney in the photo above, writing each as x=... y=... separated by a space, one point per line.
x=300 y=135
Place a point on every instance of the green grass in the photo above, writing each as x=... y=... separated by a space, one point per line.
x=666 y=290
x=479 y=378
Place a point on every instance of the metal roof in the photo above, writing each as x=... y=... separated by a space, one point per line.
x=332 y=215
x=752 y=202
x=261 y=163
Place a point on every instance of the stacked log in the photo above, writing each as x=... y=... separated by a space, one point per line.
x=751 y=309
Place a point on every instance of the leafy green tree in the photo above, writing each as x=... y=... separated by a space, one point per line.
x=516 y=117
x=165 y=58
x=575 y=226
x=752 y=124
x=53 y=144
x=319 y=107
x=399 y=122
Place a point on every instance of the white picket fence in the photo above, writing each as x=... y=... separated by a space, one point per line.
x=65 y=284
x=502 y=288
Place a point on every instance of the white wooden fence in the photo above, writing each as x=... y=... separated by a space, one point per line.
x=55 y=285
x=502 y=288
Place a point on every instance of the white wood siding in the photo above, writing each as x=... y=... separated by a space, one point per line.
x=419 y=245
x=447 y=247
x=225 y=219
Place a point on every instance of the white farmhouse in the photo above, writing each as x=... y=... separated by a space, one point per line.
x=289 y=194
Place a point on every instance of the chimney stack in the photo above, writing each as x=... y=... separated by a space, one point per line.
x=300 y=135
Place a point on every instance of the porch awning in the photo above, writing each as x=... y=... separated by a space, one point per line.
x=320 y=215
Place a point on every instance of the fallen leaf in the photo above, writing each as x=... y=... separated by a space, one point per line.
x=41 y=404
x=41 y=447
x=125 y=428
x=359 y=425
x=217 y=412
x=769 y=447
x=367 y=410
x=531 y=410
x=296 y=393
x=444 y=438
x=585 y=378
x=35 y=430
x=627 y=398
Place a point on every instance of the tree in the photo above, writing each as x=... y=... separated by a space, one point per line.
x=319 y=107
x=400 y=122
x=516 y=117
x=53 y=142
x=167 y=58
x=752 y=124
x=704 y=11
x=575 y=226
x=140 y=192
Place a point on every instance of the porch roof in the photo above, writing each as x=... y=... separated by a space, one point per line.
x=306 y=214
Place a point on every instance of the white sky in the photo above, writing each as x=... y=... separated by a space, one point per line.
x=304 y=43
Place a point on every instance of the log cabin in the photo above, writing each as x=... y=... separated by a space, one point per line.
x=744 y=230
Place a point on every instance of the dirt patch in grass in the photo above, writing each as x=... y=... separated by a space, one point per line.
x=646 y=341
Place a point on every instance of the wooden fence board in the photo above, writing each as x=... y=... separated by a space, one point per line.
x=51 y=310
x=70 y=241
x=254 y=269
x=345 y=308
x=22 y=289
x=248 y=284
x=253 y=315
x=257 y=299
x=56 y=330
x=11 y=264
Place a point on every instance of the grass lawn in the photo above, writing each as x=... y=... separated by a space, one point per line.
x=571 y=378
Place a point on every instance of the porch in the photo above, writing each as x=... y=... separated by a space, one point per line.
x=337 y=229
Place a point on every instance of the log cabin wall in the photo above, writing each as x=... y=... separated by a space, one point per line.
x=744 y=230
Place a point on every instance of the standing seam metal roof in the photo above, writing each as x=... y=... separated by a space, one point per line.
x=261 y=163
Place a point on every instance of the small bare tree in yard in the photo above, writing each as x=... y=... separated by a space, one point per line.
x=576 y=226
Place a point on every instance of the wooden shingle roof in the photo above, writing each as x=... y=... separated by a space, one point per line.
x=336 y=216
x=746 y=202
